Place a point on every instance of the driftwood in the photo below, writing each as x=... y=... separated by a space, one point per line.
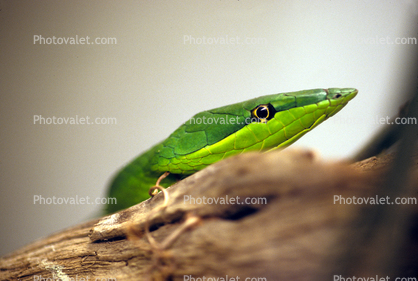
x=291 y=230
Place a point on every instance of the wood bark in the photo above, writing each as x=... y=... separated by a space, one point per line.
x=265 y=216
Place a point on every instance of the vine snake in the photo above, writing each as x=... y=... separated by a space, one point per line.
x=263 y=123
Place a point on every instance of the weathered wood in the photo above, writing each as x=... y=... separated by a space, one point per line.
x=298 y=234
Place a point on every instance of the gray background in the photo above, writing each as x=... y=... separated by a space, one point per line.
x=151 y=81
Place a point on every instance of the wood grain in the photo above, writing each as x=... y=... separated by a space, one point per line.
x=297 y=233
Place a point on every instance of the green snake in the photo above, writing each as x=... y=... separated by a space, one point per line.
x=263 y=123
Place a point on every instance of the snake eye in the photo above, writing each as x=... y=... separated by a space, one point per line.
x=263 y=113
x=337 y=96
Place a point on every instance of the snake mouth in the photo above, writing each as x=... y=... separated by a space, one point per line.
x=341 y=93
x=338 y=98
x=352 y=94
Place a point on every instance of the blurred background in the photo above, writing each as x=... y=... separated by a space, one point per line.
x=158 y=64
